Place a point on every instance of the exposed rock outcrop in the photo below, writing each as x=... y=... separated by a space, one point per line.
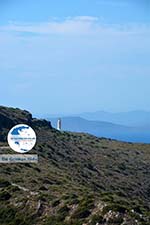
x=10 y=117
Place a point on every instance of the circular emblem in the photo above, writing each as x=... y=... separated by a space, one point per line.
x=21 y=138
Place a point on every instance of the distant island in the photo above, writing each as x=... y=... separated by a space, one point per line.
x=131 y=126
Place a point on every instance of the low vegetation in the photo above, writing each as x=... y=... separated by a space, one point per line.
x=79 y=179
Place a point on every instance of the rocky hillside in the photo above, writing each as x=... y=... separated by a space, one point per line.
x=79 y=179
x=10 y=117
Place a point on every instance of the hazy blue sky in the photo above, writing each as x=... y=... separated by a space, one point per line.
x=75 y=56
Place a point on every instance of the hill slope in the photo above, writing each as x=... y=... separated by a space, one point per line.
x=80 y=179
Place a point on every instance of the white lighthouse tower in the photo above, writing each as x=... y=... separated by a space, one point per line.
x=59 y=124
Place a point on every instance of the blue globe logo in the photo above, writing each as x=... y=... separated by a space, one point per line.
x=21 y=138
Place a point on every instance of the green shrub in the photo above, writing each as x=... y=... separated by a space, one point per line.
x=54 y=220
x=4 y=195
x=84 y=207
x=63 y=212
x=96 y=219
x=115 y=208
x=4 y=183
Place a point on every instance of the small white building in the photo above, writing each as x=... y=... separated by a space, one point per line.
x=59 y=124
